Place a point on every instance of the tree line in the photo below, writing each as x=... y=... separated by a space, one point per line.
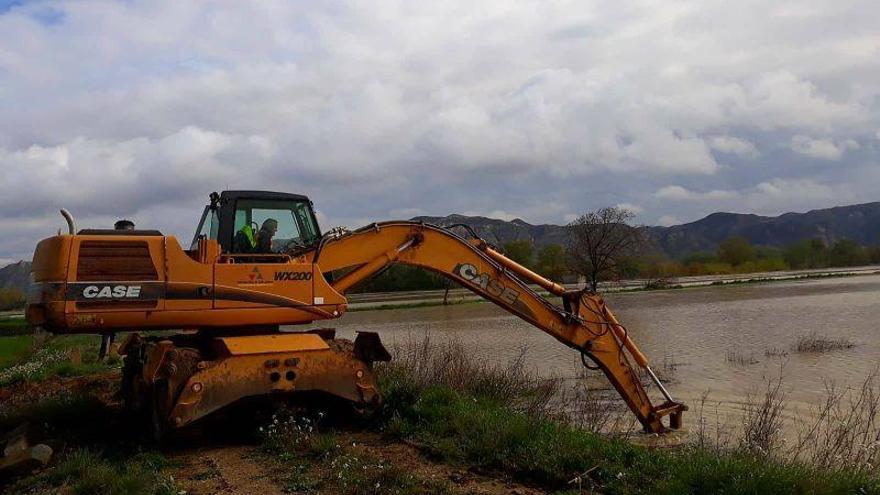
x=604 y=245
x=11 y=298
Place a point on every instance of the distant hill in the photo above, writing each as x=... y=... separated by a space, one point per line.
x=860 y=223
x=16 y=275
x=501 y=231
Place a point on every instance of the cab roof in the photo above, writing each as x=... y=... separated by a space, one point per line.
x=271 y=195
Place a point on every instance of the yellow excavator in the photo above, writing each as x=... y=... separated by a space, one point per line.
x=259 y=261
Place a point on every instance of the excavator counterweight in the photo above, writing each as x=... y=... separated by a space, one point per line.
x=258 y=261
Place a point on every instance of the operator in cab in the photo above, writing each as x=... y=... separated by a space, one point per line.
x=264 y=237
x=247 y=241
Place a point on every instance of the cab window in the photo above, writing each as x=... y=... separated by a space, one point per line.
x=267 y=227
x=208 y=227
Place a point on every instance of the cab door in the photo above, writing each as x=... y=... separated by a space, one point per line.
x=257 y=272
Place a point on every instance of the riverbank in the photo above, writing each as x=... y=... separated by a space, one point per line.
x=420 y=299
x=466 y=427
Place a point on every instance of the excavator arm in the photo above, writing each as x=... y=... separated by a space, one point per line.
x=583 y=322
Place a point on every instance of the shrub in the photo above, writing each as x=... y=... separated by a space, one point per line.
x=816 y=343
x=421 y=365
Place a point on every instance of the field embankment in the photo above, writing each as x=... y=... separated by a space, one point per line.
x=425 y=298
x=450 y=424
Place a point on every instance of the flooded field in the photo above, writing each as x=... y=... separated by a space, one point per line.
x=704 y=331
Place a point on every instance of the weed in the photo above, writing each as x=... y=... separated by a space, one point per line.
x=13 y=349
x=87 y=472
x=35 y=368
x=658 y=284
x=461 y=429
x=711 y=434
x=289 y=433
x=15 y=325
x=846 y=428
x=29 y=361
x=489 y=433
x=815 y=343
x=739 y=358
x=365 y=475
x=775 y=352
x=298 y=478
x=762 y=420
x=424 y=364
x=323 y=445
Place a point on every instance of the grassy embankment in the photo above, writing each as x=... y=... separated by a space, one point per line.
x=93 y=457
x=24 y=359
x=95 y=452
x=500 y=420
x=460 y=411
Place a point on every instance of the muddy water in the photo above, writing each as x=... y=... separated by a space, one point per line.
x=694 y=328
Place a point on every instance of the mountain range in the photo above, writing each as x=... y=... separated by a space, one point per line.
x=860 y=223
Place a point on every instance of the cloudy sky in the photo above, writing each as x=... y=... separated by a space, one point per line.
x=383 y=109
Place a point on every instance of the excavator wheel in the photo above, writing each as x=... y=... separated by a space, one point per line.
x=175 y=381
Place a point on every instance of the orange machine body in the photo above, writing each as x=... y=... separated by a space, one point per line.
x=99 y=283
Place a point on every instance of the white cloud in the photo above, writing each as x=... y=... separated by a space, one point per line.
x=119 y=177
x=782 y=194
x=822 y=149
x=770 y=197
x=668 y=220
x=679 y=193
x=734 y=145
x=636 y=209
x=674 y=193
x=533 y=109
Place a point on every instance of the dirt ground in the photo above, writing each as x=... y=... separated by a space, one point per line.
x=216 y=457
x=243 y=470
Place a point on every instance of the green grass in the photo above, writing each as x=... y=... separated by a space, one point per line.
x=96 y=449
x=86 y=472
x=478 y=432
x=13 y=349
x=14 y=325
x=71 y=418
x=21 y=361
x=315 y=458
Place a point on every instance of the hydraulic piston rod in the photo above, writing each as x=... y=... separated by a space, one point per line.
x=530 y=276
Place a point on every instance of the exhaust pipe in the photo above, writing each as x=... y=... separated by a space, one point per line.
x=71 y=228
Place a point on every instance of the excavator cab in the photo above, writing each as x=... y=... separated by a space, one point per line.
x=235 y=219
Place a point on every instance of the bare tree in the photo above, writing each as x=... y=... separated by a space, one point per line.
x=600 y=241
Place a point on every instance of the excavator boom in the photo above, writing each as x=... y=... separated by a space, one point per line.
x=583 y=323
